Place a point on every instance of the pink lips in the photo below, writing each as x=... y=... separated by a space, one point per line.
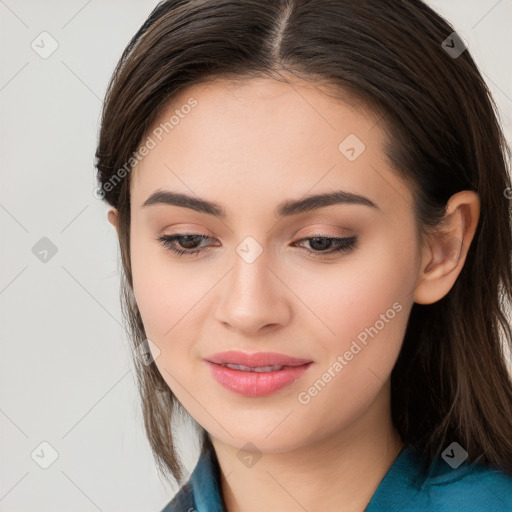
x=247 y=382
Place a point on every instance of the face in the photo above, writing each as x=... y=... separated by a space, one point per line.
x=328 y=282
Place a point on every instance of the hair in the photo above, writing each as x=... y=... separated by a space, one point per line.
x=451 y=381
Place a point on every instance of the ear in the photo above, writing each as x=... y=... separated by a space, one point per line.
x=113 y=218
x=445 y=251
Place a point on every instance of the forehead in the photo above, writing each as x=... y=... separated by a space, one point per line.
x=262 y=136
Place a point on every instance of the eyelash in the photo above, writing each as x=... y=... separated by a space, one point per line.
x=345 y=244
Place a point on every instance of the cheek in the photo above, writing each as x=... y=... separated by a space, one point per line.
x=352 y=295
x=147 y=285
x=365 y=303
x=164 y=292
x=174 y=300
x=367 y=308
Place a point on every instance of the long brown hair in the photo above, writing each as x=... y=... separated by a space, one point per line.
x=450 y=382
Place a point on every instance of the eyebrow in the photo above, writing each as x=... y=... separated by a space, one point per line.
x=284 y=209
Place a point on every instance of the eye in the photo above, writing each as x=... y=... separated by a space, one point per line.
x=188 y=244
x=319 y=243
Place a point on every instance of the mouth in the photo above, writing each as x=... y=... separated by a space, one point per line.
x=260 y=369
x=256 y=375
x=256 y=360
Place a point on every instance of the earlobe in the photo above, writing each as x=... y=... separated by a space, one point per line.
x=445 y=252
x=113 y=218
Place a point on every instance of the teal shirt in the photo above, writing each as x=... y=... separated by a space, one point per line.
x=468 y=488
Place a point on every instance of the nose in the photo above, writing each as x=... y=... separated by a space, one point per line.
x=253 y=299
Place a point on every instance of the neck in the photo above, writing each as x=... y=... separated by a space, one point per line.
x=344 y=468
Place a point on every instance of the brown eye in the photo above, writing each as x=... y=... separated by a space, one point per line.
x=319 y=244
x=187 y=243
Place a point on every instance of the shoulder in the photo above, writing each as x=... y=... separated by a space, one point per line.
x=202 y=490
x=412 y=485
x=183 y=501
x=472 y=488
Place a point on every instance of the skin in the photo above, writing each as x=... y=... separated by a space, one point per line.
x=248 y=147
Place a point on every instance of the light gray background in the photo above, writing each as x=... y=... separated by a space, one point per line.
x=66 y=377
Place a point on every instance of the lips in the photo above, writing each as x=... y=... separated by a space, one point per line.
x=256 y=375
x=256 y=360
x=241 y=367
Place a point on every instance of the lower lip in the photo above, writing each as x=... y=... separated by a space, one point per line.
x=256 y=383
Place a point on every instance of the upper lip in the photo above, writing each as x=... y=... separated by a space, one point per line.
x=257 y=359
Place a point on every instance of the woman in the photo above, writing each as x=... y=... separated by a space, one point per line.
x=311 y=204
